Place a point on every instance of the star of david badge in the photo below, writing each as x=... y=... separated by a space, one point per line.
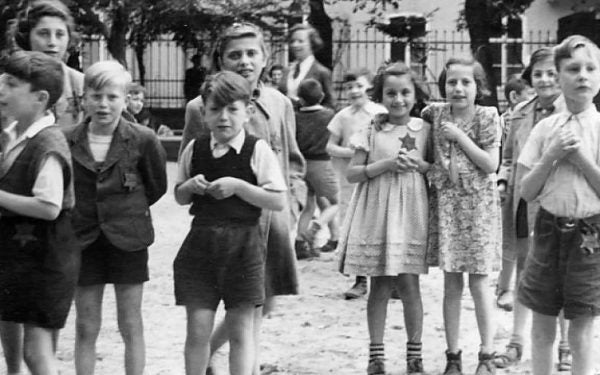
x=408 y=142
x=24 y=233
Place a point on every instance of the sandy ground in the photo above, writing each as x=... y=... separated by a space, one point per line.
x=316 y=332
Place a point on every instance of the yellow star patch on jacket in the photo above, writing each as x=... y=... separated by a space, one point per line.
x=408 y=142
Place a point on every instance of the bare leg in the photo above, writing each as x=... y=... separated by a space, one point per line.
x=483 y=299
x=453 y=287
x=11 y=335
x=377 y=303
x=131 y=326
x=240 y=325
x=543 y=333
x=197 y=342
x=306 y=216
x=412 y=305
x=38 y=350
x=581 y=339
x=88 y=304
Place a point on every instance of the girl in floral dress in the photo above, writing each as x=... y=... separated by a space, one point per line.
x=466 y=224
x=384 y=235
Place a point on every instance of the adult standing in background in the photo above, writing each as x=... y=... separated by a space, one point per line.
x=304 y=41
x=194 y=77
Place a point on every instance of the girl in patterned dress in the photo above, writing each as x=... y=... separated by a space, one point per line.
x=466 y=224
x=384 y=235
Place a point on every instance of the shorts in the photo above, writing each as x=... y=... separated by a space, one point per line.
x=104 y=263
x=321 y=179
x=559 y=274
x=221 y=262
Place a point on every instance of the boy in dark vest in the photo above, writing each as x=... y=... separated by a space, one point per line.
x=38 y=255
x=228 y=177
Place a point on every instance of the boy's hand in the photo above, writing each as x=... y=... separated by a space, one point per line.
x=564 y=141
x=223 y=187
x=578 y=155
x=197 y=184
x=450 y=131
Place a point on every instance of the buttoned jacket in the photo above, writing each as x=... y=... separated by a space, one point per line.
x=113 y=197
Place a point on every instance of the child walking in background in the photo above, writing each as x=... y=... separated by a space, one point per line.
x=385 y=232
x=228 y=177
x=358 y=115
x=467 y=224
x=119 y=170
x=38 y=254
x=312 y=136
x=561 y=170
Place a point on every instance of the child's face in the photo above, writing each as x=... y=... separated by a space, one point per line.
x=50 y=36
x=579 y=76
x=276 y=76
x=16 y=98
x=245 y=57
x=398 y=97
x=105 y=105
x=544 y=78
x=300 y=45
x=461 y=88
x=135 y=102
x=357 y=91
x=225 y=122
x=524 y=95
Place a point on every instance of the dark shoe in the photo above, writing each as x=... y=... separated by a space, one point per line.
x=329 y=246
x=486 y=364
x=505 y=299
x=510 y=357
x=414 y=366
x=564 y=360
x=358 y=289
x=303 y=250
x=453 y=363
x=376 y=367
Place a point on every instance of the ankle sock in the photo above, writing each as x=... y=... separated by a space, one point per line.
x=376 y=351
x=413 y=350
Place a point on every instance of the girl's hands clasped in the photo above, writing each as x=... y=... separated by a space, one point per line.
x=450 y=131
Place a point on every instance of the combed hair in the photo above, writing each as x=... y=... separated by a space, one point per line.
x=136 y=88
x=41 y=71
x=398 y=69
x=478 y=75
x=353 y=75
x=316 y=43
x=235 y=31
x=28 y=19
x=275 y=67
x=104 y=73
x=310 y=92
x=225 y=88
x=516 y=84
x=538 y=55
x=567 y=47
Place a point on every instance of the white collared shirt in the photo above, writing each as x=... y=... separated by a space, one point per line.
x=566 y=191
x=263 y=163
x=293 y=83
x=48 y=186
x=350 y=120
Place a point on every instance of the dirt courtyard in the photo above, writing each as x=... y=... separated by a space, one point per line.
x=316 y=332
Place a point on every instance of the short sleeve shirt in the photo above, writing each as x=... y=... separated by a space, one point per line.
x=350 y=120
x=566 y=192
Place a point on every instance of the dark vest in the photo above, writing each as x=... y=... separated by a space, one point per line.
x=21 y=175
x=208 y=210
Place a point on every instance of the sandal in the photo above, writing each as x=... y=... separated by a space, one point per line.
x=510 y=357
x=564 y=360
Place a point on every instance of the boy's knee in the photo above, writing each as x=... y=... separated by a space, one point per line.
x=88 y=328
x=131 y=328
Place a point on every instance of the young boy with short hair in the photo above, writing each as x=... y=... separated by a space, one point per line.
x=344 y=124
x=228 y=177
x=561 y=169
x=119 y=170
x=39 y=257
x=312 y=137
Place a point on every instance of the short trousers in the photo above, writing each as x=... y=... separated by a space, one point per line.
x=559 y=274
x=104 y=263
x=321 y=179
x=221 y=262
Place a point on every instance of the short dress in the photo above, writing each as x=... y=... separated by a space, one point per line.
x=466 y=226
x=385 y=230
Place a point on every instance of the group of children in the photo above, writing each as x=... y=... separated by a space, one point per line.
x=74 y=204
